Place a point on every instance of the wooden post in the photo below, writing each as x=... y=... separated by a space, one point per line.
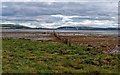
x=64 y=40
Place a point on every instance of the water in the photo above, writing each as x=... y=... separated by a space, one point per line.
x=102 y=32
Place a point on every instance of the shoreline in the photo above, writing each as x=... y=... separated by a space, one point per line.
x=88 y=32
x=104 y=43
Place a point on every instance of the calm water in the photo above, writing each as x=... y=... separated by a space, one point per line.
x=102 y=32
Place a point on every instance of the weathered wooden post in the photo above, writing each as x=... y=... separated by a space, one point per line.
x=64 y=40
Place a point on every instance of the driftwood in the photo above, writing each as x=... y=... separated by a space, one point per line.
x=63 y=40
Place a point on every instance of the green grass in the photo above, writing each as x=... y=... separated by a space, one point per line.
x=26 y=56
x=0 y=56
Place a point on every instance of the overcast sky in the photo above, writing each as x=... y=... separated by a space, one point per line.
x=56 y=14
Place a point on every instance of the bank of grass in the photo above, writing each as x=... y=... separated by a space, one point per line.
x=26 y=56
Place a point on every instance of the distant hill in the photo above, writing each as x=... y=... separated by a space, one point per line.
x=13 y=26
x=84 y=28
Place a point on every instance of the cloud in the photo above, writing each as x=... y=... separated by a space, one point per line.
x=56 y=14
x=59 y=0
x=63 y=8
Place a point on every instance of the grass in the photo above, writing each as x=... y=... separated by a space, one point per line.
x=0 y=56
x=26 y=56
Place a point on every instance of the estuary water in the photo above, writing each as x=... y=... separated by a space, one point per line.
x=101 y=32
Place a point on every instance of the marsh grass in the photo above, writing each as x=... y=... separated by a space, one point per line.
x=26 y=56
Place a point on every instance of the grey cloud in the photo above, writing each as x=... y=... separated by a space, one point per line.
x=18 y=11
x=64 y=8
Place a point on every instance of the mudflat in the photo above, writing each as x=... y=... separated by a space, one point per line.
x=104 y=43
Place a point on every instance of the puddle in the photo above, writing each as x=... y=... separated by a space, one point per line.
x=45 y=38
x=69 y=34
x=22 y=35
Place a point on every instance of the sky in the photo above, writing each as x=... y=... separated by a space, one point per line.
x=56 y=14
